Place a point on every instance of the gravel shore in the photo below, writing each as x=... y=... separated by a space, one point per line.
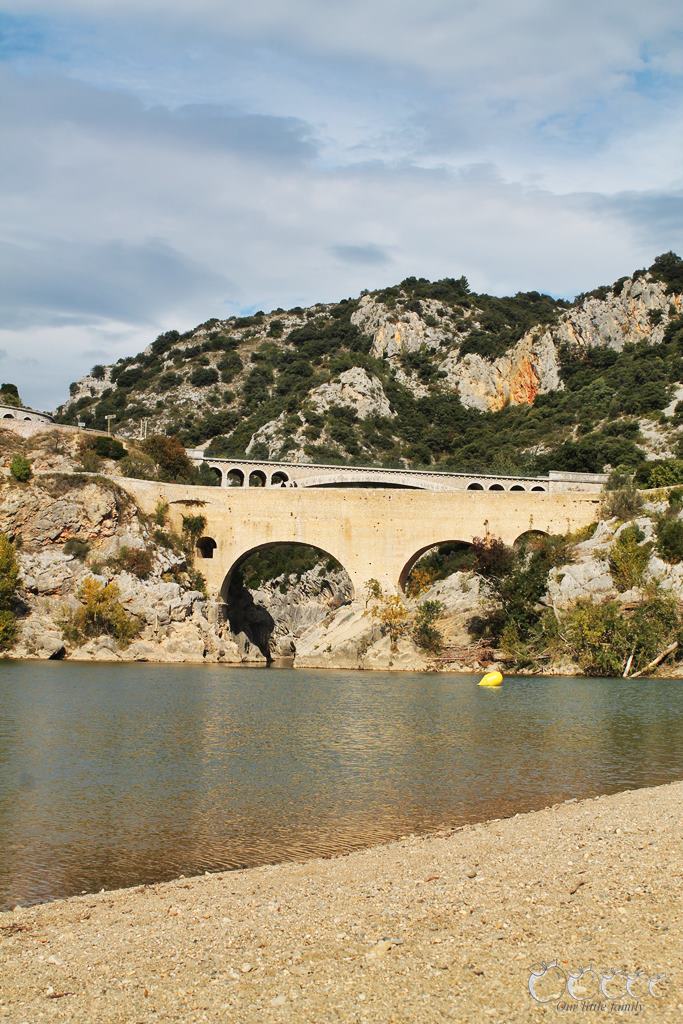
x=438 y=928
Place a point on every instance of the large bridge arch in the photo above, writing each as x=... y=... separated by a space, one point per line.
x=270 y=545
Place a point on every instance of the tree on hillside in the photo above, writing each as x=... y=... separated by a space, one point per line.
x=170 y=458
x=9 y=395
x=9 y=575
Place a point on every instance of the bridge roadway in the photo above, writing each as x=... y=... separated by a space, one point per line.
x=255 y=473
x=372 y=532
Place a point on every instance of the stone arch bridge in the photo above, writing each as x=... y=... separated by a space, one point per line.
x=373 y=533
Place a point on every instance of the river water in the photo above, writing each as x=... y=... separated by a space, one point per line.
x=115 y=775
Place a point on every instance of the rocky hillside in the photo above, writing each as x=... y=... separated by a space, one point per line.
x=73 y=531
x=424 y=373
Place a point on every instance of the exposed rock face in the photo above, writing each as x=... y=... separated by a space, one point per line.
x=352 y=638
x=619 y=319
x=395 y=333
x=354 y=389
x=658 y=441
x=279 y=443
x=530 y=369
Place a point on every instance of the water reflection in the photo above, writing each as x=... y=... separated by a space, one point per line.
x=110 y=776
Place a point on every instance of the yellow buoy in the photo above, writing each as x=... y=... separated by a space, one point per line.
x=491 y=679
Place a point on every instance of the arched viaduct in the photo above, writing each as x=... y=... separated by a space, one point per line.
x=22 y=414
x=252 y=473
x=374 y=533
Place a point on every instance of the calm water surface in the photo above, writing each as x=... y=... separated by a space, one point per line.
x=116 y=775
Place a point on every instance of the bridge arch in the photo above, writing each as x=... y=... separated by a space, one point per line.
x=240 y=561
x=449 y=547
x=206 y=547
x=530 y=539
x=234 y=477
x=257 y=478
x=260 y=619
x=366 y=480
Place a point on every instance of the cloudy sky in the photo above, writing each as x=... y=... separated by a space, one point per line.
x=164 y=162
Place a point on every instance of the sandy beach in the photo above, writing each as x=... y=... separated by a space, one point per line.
x=444 y=927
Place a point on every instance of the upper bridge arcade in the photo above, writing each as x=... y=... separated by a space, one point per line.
x=249 y=473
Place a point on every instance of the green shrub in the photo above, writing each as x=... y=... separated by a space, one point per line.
x=9 y=577
x=203 y=376
x=660 y=473
x=108 y=448
x=160 y=514
x=8 y=629
x=426 y=633
x=136 y=561
x=90 y=462
x=138 y=466
x=602 y=637
x=194 y=526
x=101 y=613
x=20 y=468
x=168 y=380
x=628 y=558
x=670 y=539
x=76 y=547
x=9 y=395
x=170 y=459
x=622 y=499
x=492 y=558
x=517 y=579
x=207 y=477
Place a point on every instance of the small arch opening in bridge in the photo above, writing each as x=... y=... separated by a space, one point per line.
x=531 y=540
x=257 y=478
x=435 y=562
x=235 y=478
x=9 y=416
x=279 y=479
x=27 y=418
x=275 y=592
x=216 y=473
x=517 y=487
x=496 y=487
x=475 y=487
x=538 y=488
x=206 y=547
